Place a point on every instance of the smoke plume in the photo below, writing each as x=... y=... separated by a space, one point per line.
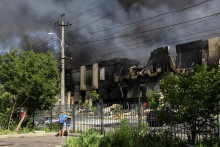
x=104 y=29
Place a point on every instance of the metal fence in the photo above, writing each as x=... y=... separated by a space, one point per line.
x=108 y=116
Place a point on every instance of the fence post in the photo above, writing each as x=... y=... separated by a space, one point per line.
x=51 y=115
x=139 y=111
x=74 y=106
x=101 y=112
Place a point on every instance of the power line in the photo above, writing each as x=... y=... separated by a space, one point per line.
x=100 y=18
x=154 y=34
x=77 y=10
x=78 y=15
x=144 y=46
x=150 y=18
x=168 y=26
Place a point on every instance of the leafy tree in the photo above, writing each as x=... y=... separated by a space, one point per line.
x=5 y=108
x=31 y=80
x=189 y=100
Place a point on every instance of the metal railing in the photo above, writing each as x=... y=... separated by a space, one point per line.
x=108 y=116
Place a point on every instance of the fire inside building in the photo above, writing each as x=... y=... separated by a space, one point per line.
x=123 y=79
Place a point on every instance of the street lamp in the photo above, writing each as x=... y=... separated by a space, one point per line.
x=55 y=36
x=62 y=92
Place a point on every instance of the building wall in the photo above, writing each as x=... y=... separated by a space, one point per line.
x=189 y=54
x=214 y=50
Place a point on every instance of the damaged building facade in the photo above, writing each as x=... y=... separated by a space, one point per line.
x=123 y=79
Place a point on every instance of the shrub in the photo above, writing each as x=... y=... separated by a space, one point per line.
x=53 y=127
x=124 y=135
x=89 y=138
x=127 y=136
x=207 y=142
x=164 y=139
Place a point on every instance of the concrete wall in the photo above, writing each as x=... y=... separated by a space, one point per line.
x=214 y=50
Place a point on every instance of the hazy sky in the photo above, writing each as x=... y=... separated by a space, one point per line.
x=106 y=29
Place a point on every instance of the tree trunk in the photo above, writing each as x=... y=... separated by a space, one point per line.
x=10 y=119
x=21 y=121
x=33 y=121
x=194 y=134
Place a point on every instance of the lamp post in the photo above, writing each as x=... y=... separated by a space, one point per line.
x=62 y=93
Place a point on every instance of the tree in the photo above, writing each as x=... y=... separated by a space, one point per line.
x=189 y=100
x=5 y=108
x=31 y=80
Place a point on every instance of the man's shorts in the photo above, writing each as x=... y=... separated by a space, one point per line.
x=64 y=127
x=61 y=126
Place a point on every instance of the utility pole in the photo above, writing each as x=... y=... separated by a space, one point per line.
x=62 y=63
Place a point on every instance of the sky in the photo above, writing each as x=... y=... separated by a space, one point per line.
x=106 y=29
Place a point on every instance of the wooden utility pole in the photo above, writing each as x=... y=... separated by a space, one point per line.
x=62 y=63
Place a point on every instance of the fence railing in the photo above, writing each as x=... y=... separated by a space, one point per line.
x=108 y=116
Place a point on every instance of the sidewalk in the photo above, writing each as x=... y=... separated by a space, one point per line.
x=32 y=139
x=27 y=135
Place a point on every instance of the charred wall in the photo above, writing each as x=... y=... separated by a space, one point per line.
x=108 y=87
x=191 y=53
x=158 y=60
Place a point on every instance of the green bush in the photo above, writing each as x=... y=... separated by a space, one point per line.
x=124 y=135
x=207 y=142
x=24 y=130
x=127 y=136
x=3 y=120
x=89 y=138
x=164 y=139
x=53 y=127
x=4 y=132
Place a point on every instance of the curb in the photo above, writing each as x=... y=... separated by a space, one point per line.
x=28 y=135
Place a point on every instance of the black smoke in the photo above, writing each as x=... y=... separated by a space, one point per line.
x=102 y=29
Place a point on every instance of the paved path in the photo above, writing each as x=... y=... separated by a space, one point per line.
x=32 y=140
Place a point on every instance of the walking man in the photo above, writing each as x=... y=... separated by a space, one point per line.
x=62 y=122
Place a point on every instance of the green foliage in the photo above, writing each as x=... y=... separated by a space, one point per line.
x=53 y=127
x=127 y=136
x=207 y=142
x=131 y=136
x=94 y=95
x=189 y=100
x=24 y=130
x=87 y=105
x=164 y=139
x=4 y=132
x=89 y=138
x=30 y=123
x=30 y=77
x=30 y=80
x=5 y=108
x=50 y=128
x=124 y=135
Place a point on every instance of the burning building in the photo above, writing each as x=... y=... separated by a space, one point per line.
x=106 y=77
x=123 y=79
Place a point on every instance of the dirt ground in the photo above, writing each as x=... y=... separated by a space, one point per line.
x=33 y=141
